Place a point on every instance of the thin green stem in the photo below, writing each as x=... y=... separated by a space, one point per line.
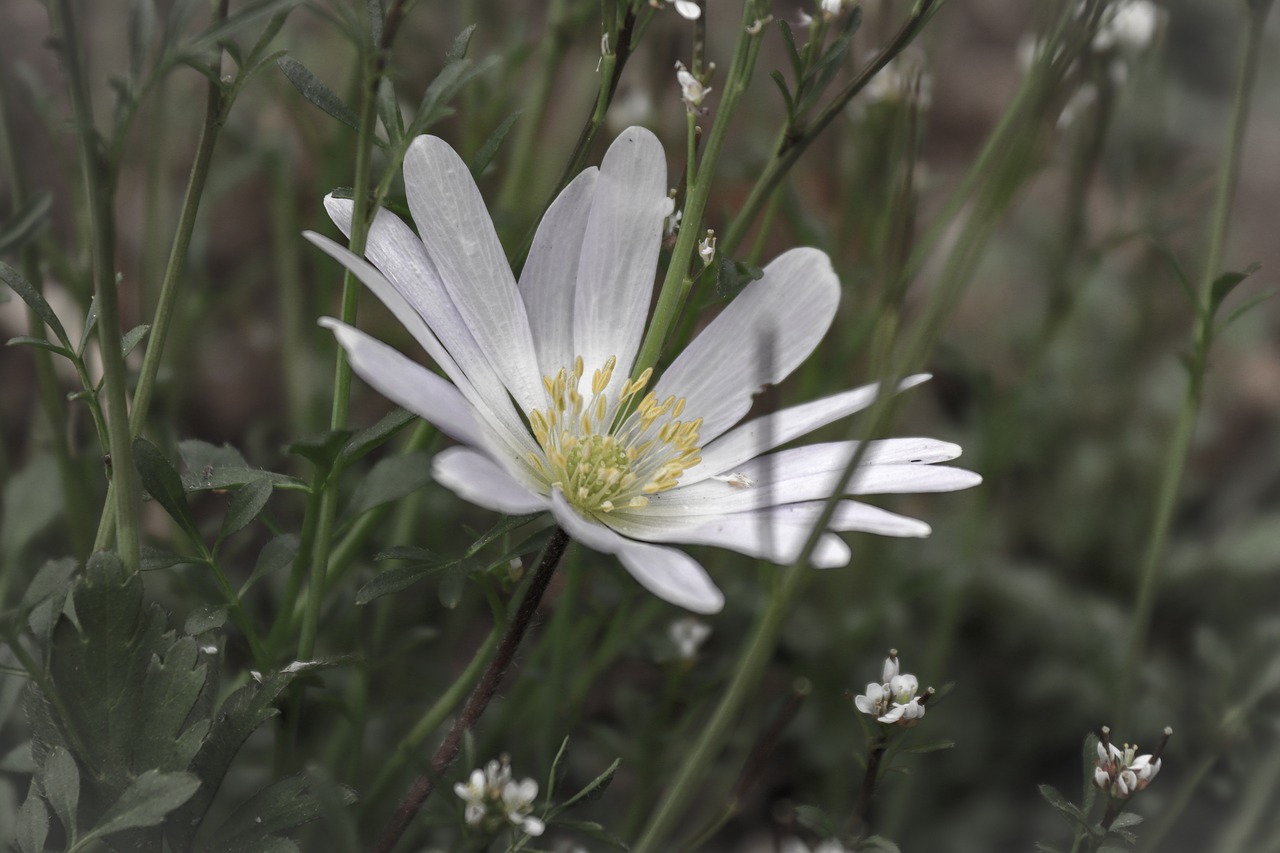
x=99 y=187
x=1253 y=25
x=676 y=284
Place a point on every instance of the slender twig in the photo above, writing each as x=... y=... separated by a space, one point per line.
x=480 y=697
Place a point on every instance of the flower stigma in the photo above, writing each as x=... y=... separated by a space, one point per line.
x=605 y=456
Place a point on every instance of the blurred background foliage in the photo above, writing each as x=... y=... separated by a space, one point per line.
x=1060 y=371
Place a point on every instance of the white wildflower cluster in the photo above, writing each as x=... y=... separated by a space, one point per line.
x=1123 y=772
x=495 y=800
x=896 y=698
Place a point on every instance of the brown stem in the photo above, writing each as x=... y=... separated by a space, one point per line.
x=862 y=806
x=479 y=700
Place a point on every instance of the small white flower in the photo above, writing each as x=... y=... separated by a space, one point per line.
x=493 y=799
x=1122 y=772
x=1128 y=25
x=707 y=248
x=830 y=8
x=692 y=92
x=688 y=634
x=542 y=393
x=894 y=700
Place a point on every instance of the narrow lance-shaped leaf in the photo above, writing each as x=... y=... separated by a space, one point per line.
x=314 y=90
x=36 y=300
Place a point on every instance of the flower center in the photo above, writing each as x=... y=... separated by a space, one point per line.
x=606 y=454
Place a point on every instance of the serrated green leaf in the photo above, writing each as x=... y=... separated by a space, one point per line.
x=247 y=502
x=132 y=338
x=314 y=90
x=26 y=222
x=277 y=554
x=489 y=148
x=146 y=802
x=165 y=486
x=60 y=780
x=33 y=823
x=374 y=436
x=33 y=298
x=390 y=480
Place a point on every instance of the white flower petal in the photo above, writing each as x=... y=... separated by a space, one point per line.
x=548 y=280
x=474 y=378
x=769 y=431
x=788 y=310
x=475 y=477
x=458 y=233
x=671 y=575
x=620 y=253
x=405 y=382
x=688 y=9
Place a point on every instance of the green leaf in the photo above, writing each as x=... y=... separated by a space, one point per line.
x=789 y=41
x=32 y=502
x=1227 y=282
x=776 y=77
x=248 y=501
x=204 y=618
x=390 y=480
x=132 y=338
x=314 y=90
x=46 y=595
x=928 y=746
x=594 y=789
x=1062 y=804
x=815 y=819
x=60 y=780
x=878 y=844
x=502 y=528
x=146 y=802
x=591 y=829
x=26 y=222
x=461 y=42
x=389 y=111
x=367 y=439
x=245 y=15
x=322 y=449
x=276 y=555
x=209 y=467
x=90 y=323
x=489 y=149
x=1125 y=820
x=39 y=343
x=394 y=580
x=33 y=823
x=284 y=805
x=165 y=486
x=154 y=559
x=33 y=298
x=237 y=718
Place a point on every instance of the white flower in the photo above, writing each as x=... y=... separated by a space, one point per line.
x=540 y=394
x=688 y=634
x=692 y=92
x=894 y=700
x=1128 y=25
x=795 y=845
x=494 y=799
x=1122 y=772
x=707 y=247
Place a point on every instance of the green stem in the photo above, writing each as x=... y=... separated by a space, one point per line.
x=1253 y=26
x=676 y=284
x=99 y=185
